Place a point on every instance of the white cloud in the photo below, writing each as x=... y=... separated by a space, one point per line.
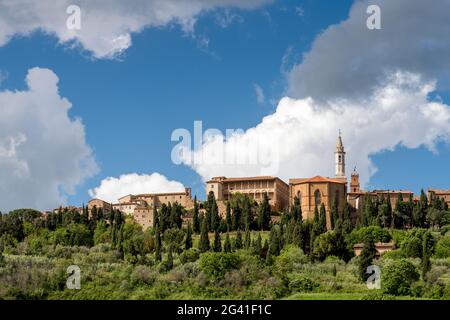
x=260 y=98
x=304 y=132
x=106 y=25
x=347 y=60
x=111 y=188
x=43 y=153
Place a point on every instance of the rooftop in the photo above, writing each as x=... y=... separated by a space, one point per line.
x=317 y=179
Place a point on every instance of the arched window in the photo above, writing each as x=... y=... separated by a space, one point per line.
x=317 y=199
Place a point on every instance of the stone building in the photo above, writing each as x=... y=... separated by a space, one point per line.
x=99 y=204
x=254 y=187
x=444 y=194
x=130 y=202
x=318 y=190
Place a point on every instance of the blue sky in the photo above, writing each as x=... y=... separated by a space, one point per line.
x=167 y=79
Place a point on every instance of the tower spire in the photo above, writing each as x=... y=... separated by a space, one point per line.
x=340 y=157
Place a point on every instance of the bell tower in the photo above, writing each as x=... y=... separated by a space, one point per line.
x=340 y=158
x=354 y=182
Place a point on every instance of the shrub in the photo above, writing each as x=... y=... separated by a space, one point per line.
x=290 y=258
x=301 y=283
x=190 y=255
x=378 y=234
x=143 y=275
x=443 y=248
x=216 y=264
x=397 y=277
x=411 y=245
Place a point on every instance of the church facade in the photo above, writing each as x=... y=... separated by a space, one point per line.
x=318 y=190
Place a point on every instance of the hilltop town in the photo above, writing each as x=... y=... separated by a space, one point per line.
x=311 y=193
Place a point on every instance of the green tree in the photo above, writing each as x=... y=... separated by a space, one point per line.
x=188 y=242
x=247 y=239
x=258 y=245
x=427 y=250
x=397 y=277
x=196 y=217
x=155 y=217
x=322 y=219
x=204 y=238
x=366 y=257
x=264 y=213
x=227 y=244
x=228 y=217
x=334 y=212
x=238 y=240
x=158 y=244
x=169 y=262
x=217 y=242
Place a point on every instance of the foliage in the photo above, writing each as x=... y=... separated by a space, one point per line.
x=397 y=277
x=216 y=264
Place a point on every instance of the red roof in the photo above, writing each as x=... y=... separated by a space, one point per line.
x=317 y=179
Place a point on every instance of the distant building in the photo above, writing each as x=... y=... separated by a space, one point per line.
x=99 y=204
x=130 y=202
x=444 y=194
x=141 y=206
x=313 y=192
x=381 y=247
x=254 y=187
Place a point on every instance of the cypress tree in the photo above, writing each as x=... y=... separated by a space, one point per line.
x=196 y=218
x=204 y=238
x=158 y=254
x=188 y=242
x=227 y=244
x=264 y=213
x=217 y=242
x=365 y=259
x=296 y=209
x=169 y=259
x=85 y=216
x=334 y=213
x=322 y=219
x=316 y=222
x=427 y=250
x=238 y=241
x=258 y=245
x=236 y=217
x=346 y=223
x=247 y=239
x=228 y=216
x=155 y=217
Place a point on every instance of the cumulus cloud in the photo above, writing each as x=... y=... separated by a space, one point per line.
x=106 y=25
x=301 y=135
x=348 y=60
x=111 y=188
x=374 y=85
x=43 y=152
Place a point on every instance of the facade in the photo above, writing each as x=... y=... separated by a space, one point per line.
x=143 y=216
x=130 y=202
x=444 y=194
x=254 y=187
x=99 y=204
x=312 y=192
